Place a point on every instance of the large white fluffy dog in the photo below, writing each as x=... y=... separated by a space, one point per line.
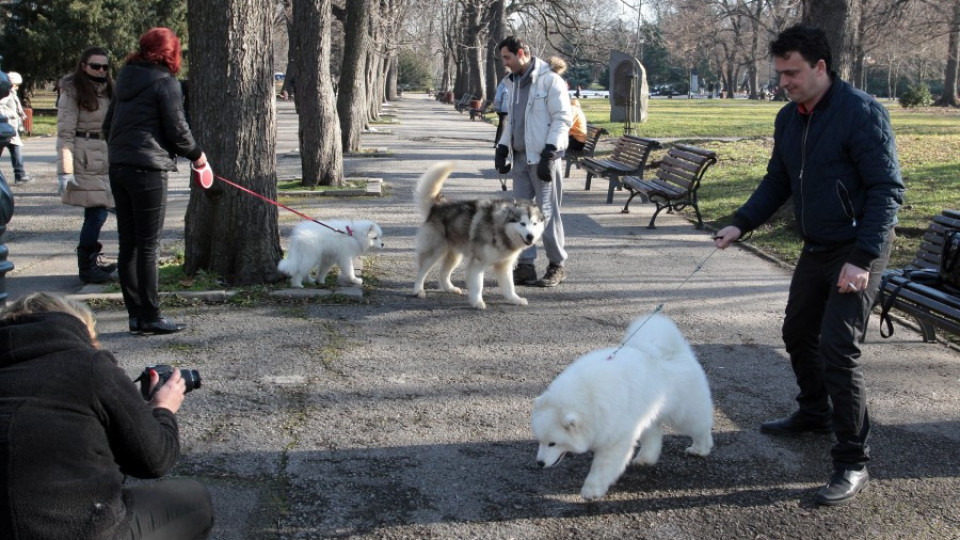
x=485 y=232
x=313 y=245
x=608 y=400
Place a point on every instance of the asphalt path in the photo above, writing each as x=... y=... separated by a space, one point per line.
x=400 y=417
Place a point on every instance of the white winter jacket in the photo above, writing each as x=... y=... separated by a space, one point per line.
x=548 y=114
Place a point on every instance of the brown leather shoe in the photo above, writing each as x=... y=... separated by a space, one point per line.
x=553 y=276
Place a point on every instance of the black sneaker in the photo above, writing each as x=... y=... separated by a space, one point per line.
x=553 y=276
x=524 y=274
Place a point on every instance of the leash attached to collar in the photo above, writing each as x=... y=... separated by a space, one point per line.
x=659 y=307
x=204 y=177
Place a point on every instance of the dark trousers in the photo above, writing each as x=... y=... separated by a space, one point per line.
x=575 y=145
x=141 y=198
x=822 y=332
x=501 y=116
x=169 y=509
x=93 y=220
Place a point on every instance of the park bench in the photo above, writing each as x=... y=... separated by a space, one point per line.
x=463 y=104
x=629 y=157
x=916 y=288
x=575 y=157
x=676 y=181
x=485 y=108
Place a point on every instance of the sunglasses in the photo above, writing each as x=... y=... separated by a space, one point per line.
x=98 y=67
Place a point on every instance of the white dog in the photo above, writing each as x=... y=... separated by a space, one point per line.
x=313 y=245
x=608 y=400
x=484 y=232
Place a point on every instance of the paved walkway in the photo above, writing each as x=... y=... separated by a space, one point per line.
x=401 y=417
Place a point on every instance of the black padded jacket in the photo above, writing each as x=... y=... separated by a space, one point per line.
x=145 y=124
x=72 y=424
x=839 y=162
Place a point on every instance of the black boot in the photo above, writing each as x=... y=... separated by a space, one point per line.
x=87 y=264
x=109 y=267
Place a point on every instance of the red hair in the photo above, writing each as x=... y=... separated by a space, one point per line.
x=159 y=46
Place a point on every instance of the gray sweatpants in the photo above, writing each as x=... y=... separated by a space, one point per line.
x=527 y=187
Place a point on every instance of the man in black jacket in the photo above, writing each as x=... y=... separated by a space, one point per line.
x=834 y=153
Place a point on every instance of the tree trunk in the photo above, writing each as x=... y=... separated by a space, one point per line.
x=320 y=150
x=495 y=34
x=391 y=78
x=472 y=49
x=228 y=231
x=839 y=19
x=949 y=97
x=288 y=87
x=352 y=97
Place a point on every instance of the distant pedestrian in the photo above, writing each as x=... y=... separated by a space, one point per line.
x=82 y=156
x=578 y=129
x=501 y=104
x=11 y=108
x=146 y=129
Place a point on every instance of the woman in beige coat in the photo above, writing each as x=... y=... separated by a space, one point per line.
x=82 y=166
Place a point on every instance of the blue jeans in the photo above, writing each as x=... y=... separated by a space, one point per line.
x=93 y=220
x=16 y=159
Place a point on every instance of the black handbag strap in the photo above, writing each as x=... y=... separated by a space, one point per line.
x=886 y=304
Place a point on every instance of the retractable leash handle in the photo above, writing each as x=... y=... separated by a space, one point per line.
x=203 y=175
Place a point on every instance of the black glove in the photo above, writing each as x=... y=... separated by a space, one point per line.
x=547 y=156
x=500 y=159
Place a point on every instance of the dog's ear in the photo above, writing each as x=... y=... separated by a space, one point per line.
x=570 y=421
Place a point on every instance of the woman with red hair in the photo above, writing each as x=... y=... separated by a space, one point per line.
x=146 y=129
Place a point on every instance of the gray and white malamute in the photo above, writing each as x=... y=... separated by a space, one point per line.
x=487 y=232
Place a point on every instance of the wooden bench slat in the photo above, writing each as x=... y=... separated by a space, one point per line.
x=932 y=307
x=676 y=181
x=629 y=157
x=574 y=157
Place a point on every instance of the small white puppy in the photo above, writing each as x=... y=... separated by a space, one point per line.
x=313 y=245
x=608 y=400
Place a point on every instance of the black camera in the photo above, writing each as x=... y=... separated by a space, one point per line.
x=190 y=376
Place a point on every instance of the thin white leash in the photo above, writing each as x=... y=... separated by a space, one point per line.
x=659 y=307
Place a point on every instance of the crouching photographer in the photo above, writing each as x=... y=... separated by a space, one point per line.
x=73 y=426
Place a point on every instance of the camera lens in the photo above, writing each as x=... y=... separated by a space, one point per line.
x=191 y=378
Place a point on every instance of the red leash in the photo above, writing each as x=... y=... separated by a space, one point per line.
x=204 y=177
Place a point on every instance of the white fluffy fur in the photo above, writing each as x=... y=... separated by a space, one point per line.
x=313 y=245
x=608 y=404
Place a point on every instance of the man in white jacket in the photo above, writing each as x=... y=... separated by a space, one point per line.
x=535 y=135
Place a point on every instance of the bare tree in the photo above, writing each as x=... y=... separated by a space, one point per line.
x=228 y=231
x=321 y=152
x=949 y=97
x=351 y=95
x=839 y=19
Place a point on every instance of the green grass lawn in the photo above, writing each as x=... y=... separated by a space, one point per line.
x=740 y=131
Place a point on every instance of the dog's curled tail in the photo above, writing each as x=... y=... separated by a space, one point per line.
x=429 y=184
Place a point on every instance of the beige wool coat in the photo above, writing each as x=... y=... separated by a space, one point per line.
x=79 y=152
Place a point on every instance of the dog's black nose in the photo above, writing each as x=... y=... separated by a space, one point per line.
x=541 y=464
